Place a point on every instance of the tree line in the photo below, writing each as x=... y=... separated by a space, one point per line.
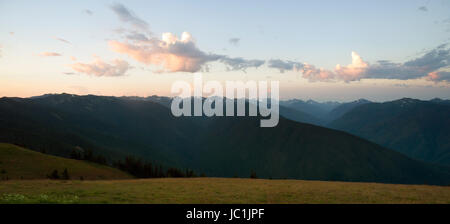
x=134 y=166
x=140 y=169
x=88 y=155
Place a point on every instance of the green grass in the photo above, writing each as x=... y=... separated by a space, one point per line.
x=216 y=190
x=20 y=163
x=102 y=184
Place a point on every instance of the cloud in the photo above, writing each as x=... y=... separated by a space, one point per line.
x=169 y=52
x=438 y=76
x=312 y=73
x=135 y=36
x=99 y=68
x=62 y=40
x=432 y=61
x=428 y=66
x=234 y=64
x=125 y=15
x=402 y=85
x=88 y=12
x=283 y=66
x=423 y=9
x=175 y=54
x=49 y=54
x=308 y=71
x=234 y=41
x=353 y=71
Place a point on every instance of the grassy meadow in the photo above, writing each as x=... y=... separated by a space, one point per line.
x=215 y=190
x=23 y=179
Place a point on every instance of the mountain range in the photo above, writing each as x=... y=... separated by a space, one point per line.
x=218 y=146
x=419 y=129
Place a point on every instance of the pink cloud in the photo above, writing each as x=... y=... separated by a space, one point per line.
x=314 y=74
x=171 y=53
x=117 y=67
x=49 y=54
x=353 y=71
x=438 y=76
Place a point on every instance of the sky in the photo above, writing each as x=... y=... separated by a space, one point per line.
x=321 y=50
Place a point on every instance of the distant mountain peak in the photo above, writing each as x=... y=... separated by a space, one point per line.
x=406 y=100
x=440 y=101
x=362 y=100
x=53 y=95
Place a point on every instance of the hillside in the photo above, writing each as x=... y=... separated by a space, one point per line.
x=217 y=146
x=20 y=163
x=419 y=129
x=299 y=116
x=344 y=108
x=301 y=151
x=319 y=110
x=217 y=191
x=109 y=126
x=324 y=113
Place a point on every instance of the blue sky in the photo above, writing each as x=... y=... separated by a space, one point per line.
x=307 y=38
